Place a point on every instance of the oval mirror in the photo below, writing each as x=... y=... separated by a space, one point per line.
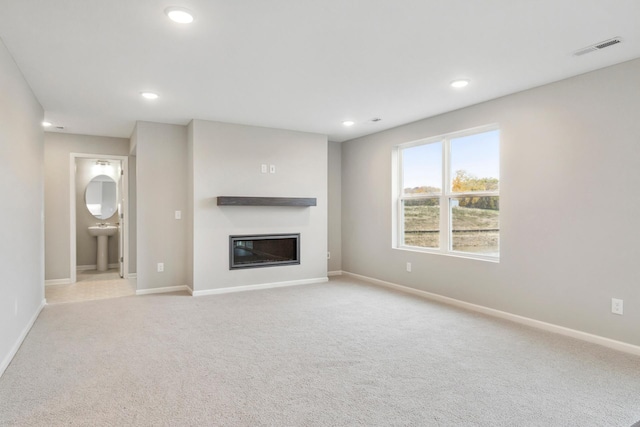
x=101 y=197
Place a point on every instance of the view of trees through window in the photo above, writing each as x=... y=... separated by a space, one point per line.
x=468 y=209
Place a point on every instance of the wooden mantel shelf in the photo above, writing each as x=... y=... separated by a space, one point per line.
x=266 y=201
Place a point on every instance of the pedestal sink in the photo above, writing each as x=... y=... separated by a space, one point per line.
x=102 y=232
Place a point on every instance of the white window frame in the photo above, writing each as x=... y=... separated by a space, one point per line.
x=444 y=197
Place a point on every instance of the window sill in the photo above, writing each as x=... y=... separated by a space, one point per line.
x=476 y=257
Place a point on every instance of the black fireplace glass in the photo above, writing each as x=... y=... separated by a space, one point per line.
x=266 y=250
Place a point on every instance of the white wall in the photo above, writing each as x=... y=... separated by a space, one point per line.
x=133 y=203
x=22 y=213
x=189 y=215
x=569 y=203
x=335 y=207
x=133 y=228
x=57 y=151
x=227 y=161
x=161 y=164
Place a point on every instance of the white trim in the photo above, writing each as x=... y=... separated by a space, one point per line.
x=124 y=164
x=445 y=196
x=550 y=327
x=454 y=134
x=132 y=276
x=7 y=360
x=94 y=267
x=72 y=218
x=334 y=273
x=162 y=290
x=456 y=254
x=260 y=286
x=446 y=220
x=54 y=282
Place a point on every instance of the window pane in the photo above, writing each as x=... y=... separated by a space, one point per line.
x=422 y=169
x=422 y=223
x=475 y=162
x=475 y=225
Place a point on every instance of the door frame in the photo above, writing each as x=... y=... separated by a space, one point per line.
x=124 y=163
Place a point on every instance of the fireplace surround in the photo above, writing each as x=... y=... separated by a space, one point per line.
x=263 y=250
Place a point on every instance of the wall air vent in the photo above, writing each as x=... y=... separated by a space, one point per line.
x=597 y=46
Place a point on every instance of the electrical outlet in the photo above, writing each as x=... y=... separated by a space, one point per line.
x=617 y=306
x=263 y=168
x=160 y=267
x=409 y=267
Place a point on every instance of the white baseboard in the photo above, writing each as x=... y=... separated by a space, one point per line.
x=334 y=273
x=162 y=290
x=550 y=327
x=7 y=360
x=132 y=276
x=53 y=282
x=260 y=286
x=95 y=267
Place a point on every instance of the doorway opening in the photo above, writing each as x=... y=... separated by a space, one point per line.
x=99 y=256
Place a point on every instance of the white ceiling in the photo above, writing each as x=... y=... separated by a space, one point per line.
x=300 y=64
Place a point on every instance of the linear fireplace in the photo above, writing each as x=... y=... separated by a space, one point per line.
x=265 y=250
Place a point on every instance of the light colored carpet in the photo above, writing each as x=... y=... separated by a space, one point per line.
x=337 y=354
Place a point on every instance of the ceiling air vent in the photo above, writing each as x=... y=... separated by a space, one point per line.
x=597 y=46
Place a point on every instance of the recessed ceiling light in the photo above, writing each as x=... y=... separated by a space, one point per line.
x=179 y=15
x=348 y=123
x=459 y=83
x=46 y=124
x=149 y=95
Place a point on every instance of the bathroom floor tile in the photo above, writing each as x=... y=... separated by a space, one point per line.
x=91 y=285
